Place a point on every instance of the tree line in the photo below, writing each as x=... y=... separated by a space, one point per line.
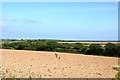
x=109 y=49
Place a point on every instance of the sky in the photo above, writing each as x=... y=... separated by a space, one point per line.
x=60 y=20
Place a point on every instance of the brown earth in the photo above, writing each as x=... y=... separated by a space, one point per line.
x=20 y=63
x=91 y=42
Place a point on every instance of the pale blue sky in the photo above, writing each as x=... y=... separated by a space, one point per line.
x=60 y=20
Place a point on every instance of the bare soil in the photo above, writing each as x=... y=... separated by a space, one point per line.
x=41 y=64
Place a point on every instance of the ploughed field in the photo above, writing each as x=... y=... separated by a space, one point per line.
x=91 y=42
x=41 y=64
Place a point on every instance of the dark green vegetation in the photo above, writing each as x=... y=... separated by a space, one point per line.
x=53 y=45
x=117 y=76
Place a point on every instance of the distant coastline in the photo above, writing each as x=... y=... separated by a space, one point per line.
x=62 y=40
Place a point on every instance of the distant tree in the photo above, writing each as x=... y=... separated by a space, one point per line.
x=22 y=39
x=117 y=51
x=95 y=49
x=78 y=47
x=41 y=48
x=85 y=50
x=51 y=45
x=5 y=46
x=112 y=50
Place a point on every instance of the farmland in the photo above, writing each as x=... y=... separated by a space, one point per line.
x=43 y=64
x=58 y=59
x=102 y=43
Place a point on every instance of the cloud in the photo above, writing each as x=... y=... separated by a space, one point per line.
x=5 y=18
x=100 y=9
x=30 y=21
x=11 y=20
x=1 y=26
